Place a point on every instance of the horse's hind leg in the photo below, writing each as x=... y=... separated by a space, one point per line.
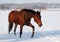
x=15 y=29
x=21 y=27
x=10 y=27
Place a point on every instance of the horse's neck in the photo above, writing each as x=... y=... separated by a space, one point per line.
x=33 y=16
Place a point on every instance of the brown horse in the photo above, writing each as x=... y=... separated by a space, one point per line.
x=23 y=17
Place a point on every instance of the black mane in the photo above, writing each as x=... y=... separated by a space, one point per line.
x=29 y=10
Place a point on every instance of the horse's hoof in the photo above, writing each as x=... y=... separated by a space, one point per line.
x=14 y=33
x=32 y=36
x=8 y=32
x=20 y=36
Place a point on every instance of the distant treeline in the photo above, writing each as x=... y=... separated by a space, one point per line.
x=9 y=6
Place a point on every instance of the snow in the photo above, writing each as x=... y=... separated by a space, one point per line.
x=49 y=32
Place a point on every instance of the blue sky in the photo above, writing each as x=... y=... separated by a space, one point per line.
x=29 y=1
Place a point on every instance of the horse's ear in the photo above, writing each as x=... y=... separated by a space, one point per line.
x=38 y=12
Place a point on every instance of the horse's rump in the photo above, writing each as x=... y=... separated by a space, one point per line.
x=15 y=17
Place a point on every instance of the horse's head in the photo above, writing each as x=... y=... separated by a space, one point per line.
x=37 y=18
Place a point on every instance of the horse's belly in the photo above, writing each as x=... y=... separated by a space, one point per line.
x=18 y=22
x=15 y=22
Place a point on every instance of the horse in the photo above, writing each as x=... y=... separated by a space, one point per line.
x=23 y=17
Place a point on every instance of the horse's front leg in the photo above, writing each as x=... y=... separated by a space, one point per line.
x=15 y=29
x=21 y=27
x=32 y=28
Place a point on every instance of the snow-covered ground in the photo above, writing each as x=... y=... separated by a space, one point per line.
x=49 y=32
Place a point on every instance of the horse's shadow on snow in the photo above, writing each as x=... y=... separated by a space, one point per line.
x=26 y=36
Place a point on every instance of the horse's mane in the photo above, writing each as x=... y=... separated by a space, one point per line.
x=29 y=10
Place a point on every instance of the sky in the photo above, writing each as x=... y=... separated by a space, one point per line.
x=29 y=1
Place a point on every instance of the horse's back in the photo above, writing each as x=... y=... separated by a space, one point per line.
x=13 y=12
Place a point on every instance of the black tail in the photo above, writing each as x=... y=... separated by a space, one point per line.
x=10 y=27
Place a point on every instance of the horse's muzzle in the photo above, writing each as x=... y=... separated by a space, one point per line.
x=40 y=25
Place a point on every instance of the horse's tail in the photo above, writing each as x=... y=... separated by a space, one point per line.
x=10 y=27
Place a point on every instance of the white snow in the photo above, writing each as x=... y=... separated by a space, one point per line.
x=49 y=32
